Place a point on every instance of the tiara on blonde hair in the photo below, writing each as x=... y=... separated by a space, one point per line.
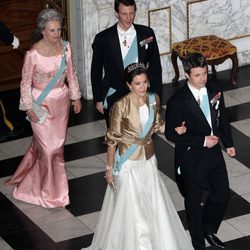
x=136 y=66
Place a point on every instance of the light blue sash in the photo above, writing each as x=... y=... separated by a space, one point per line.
x=205 y=107
x=53 y=81
x=110 y=92
x=119 y=160
x=132 y=54
x=131 y=57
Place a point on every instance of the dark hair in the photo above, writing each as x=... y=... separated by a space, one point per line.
x=125 y=2
x=134 y=69
x=194 y=60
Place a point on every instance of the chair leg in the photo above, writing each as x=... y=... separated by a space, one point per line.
x=175 y=65
x=234 y=59
x=213 y=71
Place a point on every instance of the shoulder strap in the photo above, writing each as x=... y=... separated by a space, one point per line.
x=54 y=80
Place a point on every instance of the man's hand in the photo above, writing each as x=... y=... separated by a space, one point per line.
x=211 y=141
x=99 y=107
x=231 y=151
x=182 y=129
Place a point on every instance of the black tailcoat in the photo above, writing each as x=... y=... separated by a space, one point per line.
x=201 y=168
x=107 y=65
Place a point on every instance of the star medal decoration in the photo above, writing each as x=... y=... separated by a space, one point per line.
x=125 y=43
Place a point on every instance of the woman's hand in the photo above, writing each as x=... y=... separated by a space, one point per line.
x=182 y=129
x=77 y=106
x=32 y=116
x=109 y=176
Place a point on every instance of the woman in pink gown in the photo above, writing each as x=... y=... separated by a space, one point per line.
x=41 y=177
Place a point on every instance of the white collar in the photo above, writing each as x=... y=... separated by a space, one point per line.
x=197 y=92
x=122 y=32
x=203 y=91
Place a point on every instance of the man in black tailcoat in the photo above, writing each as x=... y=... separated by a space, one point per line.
x=115 y=48
x=199 y=162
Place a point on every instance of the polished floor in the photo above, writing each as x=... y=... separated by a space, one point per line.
x=24 y=226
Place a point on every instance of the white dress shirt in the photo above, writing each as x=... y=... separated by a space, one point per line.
x=126 y=38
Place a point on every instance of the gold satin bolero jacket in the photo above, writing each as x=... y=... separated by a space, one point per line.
x=125 y=127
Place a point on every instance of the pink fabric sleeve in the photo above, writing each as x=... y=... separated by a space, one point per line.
x=26 y=82
x=74 y=88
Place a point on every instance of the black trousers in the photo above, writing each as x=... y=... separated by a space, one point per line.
x=204 y=170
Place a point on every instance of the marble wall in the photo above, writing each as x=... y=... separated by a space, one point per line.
x=172 y=21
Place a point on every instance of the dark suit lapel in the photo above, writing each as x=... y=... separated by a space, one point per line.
x=113 y=40
x=212 y=110
x=115 y=47
x=141 y=50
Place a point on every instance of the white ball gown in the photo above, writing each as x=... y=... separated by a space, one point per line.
x=139 y=215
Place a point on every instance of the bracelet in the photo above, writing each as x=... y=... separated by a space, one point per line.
x=108 y=168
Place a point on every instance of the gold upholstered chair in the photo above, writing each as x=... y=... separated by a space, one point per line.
x=215 y=49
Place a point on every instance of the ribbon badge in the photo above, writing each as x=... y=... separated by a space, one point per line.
x=146 y=41
x=215 y=101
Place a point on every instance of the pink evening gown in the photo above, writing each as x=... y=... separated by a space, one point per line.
x=41 y=177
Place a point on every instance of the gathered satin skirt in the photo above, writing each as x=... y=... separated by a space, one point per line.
x=41 y=177
x=139 y=215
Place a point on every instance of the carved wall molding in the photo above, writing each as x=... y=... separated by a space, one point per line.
x=160 y=21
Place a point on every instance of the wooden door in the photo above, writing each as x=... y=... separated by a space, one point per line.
x=20 y=17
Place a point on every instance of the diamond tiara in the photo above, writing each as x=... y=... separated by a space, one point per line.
x=136 y=66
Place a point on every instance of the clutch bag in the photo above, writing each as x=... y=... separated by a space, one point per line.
x=40 y=113
x=113 y=184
